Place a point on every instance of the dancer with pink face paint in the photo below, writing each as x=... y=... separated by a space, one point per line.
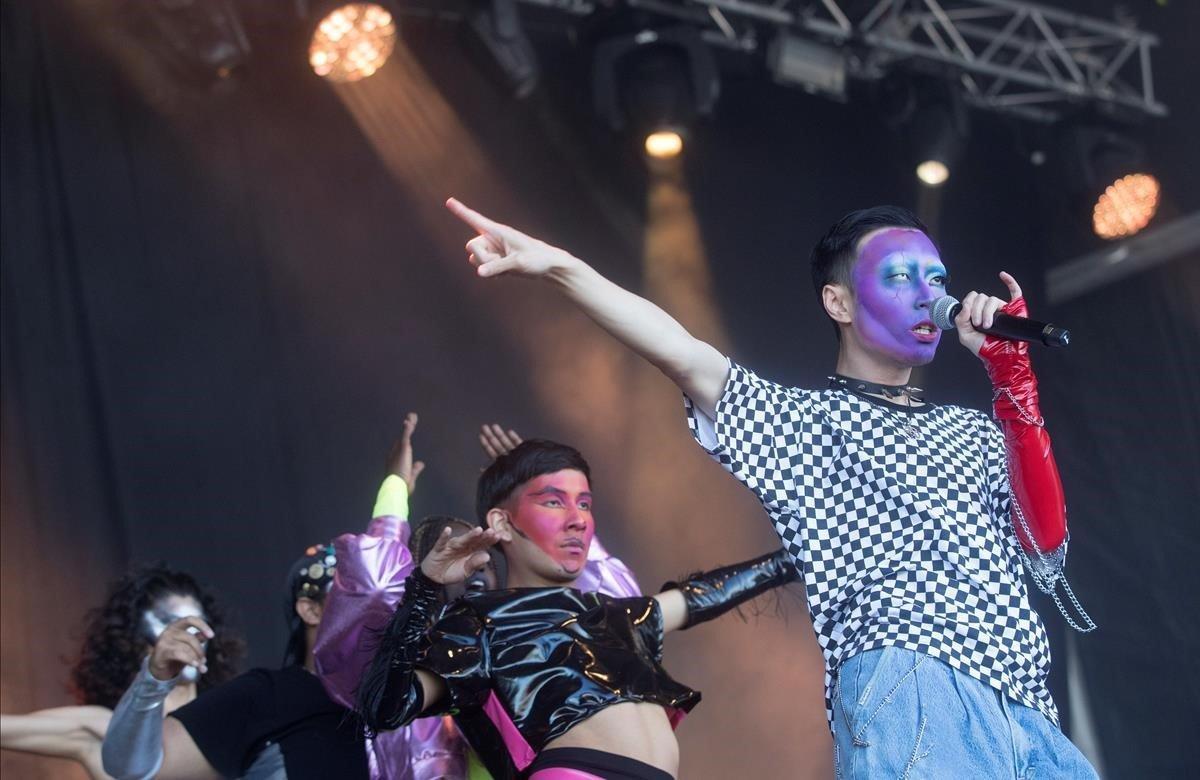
x=371 y=572
x=914 y=524
x=546 y=681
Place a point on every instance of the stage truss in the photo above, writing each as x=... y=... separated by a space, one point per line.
x=1009 y=56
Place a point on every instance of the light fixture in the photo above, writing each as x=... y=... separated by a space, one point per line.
x=201 y=41
x=664 y=144
x=1126 y=206
x=352 y=42
x=654 y=84
x=1105 y=167
x=933 y=172
x=814 y=67
x=500 y=42
x=938 y=130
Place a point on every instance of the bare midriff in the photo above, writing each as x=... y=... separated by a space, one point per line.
x=636 y=730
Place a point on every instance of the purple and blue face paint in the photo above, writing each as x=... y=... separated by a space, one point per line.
x=897 y=275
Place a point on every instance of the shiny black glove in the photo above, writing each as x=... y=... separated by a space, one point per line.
x=390 y=695
x=713 y=593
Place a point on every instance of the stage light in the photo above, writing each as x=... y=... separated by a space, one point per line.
x=352 y=42
x=933 y=173
x=200 y=41
x=655 y=84
x=816 y=68
x=1126 y=206
x=1105 y=168
x=664 y=144
x=939 y=133
x=503 y=47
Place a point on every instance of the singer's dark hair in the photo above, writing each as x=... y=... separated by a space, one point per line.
x=527 y=460
x=833 y=256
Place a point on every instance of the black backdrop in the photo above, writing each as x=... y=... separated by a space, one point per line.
x=217 y=306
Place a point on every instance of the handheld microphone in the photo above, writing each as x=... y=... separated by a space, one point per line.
x=943 y=311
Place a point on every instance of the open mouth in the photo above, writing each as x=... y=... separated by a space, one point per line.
x=476 y=585
x=925 y=331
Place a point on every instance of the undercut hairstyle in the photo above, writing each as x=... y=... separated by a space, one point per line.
x=524 y=462
x=114 y=642
x=833 y=256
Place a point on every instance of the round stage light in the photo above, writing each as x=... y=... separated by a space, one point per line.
x=664 y=144
x=352 y=42
x=1126 y=206
x=933 y=172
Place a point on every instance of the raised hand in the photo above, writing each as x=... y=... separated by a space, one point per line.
x=455 y=558
x=978 y=311
x=500 y=249
x=400 y=459
x=496 y=441
x=180 y=644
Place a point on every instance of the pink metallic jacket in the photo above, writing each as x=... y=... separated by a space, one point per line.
x=371 y=569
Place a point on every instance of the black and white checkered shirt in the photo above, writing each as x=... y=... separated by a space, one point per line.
x=898 y=519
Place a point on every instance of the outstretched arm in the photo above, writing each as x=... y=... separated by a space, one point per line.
x=708 y=595
x=695 y=366
x=60 y=732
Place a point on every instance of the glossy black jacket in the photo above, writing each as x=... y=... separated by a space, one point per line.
x=523 y=666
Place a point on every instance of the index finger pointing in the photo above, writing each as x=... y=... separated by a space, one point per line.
x=1014 y=289
x=474 y=218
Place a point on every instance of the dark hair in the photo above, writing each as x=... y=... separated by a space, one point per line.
x=834 y=254
x=114 y=643
x=426 y=532
x=527 y=460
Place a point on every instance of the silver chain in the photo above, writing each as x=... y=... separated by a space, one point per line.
x=1047 y=572
x=1037 y=422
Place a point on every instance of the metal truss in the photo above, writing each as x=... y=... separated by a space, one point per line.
x=1008 y=55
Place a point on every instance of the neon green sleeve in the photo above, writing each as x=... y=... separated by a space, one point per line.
x=392 y=499
x=475 y=769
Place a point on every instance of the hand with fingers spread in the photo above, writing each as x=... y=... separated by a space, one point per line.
x=455 y=558
x=400 y=459
x=496 y=441
x=500 y=249
x=978 y=311
x=181 y=644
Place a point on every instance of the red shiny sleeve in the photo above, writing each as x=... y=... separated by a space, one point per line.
x=1033 y=474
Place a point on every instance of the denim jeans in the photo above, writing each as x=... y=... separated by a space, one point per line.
x=901 y=714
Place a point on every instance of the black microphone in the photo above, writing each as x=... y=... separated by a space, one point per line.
x=943 y=311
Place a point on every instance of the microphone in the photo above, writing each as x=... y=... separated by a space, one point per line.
x=943 y=311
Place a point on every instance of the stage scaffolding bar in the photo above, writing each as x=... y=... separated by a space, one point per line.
x=1009 y=55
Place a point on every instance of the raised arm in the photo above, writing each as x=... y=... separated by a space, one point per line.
x=694 y=365
x=369 y=579
x=707 y=595
x=1039 y=509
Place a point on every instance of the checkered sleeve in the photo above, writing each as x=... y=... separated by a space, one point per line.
x=756 y=434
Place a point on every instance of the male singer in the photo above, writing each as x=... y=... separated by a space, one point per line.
x=900 y=513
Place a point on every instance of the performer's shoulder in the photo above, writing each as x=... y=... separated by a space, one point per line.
x=967 y=413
